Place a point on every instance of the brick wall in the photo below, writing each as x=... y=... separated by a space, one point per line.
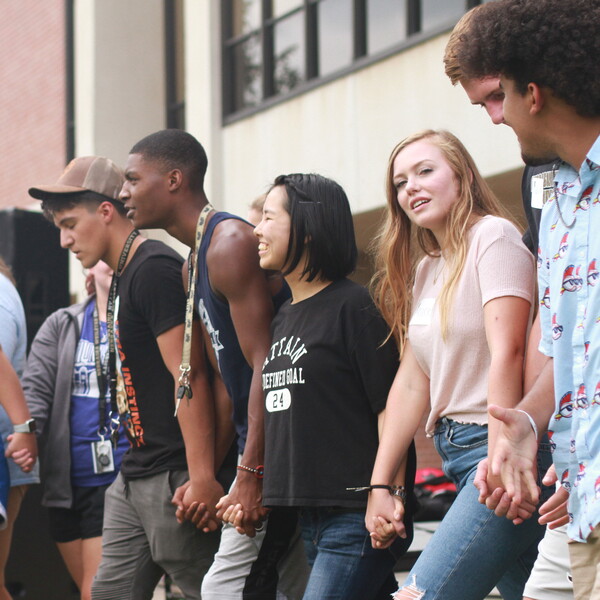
x=32 y=102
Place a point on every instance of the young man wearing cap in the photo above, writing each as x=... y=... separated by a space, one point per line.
x=545 y=53
x=141 y=537
x=550 y=577
x=236 y=301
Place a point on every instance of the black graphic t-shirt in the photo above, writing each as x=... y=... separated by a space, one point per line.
x=151 y=300
x=325 y=380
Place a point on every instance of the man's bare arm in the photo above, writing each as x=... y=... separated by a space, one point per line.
x=235 y=273
x=197 y=422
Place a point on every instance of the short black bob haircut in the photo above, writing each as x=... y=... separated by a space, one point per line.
x=175 y=149
x=321 y=227
x=53 y=203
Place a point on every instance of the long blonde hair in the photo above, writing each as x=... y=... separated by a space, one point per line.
x=395 y=255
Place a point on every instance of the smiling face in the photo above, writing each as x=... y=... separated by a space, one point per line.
x=145 y=193
x=426 y=188
x=273 y=232
x=488 y=94
x=82 y=231
x=520 y=111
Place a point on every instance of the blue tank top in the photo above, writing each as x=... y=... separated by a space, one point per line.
x=214 y=313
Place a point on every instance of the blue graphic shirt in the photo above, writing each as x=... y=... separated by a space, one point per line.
x=569 y=285
x=84 y=416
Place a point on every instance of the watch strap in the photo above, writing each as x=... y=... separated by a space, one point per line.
x=27 y=427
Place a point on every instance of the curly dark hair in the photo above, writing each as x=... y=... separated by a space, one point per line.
x=553 y=43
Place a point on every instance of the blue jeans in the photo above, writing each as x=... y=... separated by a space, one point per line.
x=473 y=550
x=344 y=565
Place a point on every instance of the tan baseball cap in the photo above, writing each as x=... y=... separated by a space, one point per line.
x=87 y=173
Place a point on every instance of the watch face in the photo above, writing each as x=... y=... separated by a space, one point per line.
x=27 y=427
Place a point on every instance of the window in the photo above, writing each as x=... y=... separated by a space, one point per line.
x=438 y=12
x=174 y=48
x=386 y=24
x=274 y=47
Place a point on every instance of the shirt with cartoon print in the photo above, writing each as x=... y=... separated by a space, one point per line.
x=569 y=287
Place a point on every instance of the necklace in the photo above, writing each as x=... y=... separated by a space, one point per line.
x=550 y=186
x=567 y=225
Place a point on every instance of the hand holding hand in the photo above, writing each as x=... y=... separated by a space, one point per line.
x=382 y=509
x=514 y=457
x=242 y=506
x=22 y=448
x=195 y=502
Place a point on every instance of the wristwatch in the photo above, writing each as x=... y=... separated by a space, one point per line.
x=27 y=427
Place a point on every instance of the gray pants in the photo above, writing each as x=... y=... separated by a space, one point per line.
x=270 y=566
x=141 y=539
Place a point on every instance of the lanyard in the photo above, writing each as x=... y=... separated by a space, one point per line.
x=110 y=326
x=185 y=389
x=101 y=376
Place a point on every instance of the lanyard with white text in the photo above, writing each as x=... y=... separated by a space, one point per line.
x=185 y=389
x=101 y=376
x=110 y=327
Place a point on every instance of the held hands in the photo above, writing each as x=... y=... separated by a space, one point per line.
x=242 y=507
x=384 y=518
x=493 y=495
x=22 y=448
x=514 y=457
x=195 y=502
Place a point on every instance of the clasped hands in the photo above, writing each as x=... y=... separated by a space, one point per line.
x=22 y=448
x=507 y=480
x=206 y=505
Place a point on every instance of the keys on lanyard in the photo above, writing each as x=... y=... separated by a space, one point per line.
x=184 y=389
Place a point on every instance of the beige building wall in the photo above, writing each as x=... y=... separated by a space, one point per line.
x=119 y=74
x=344 y=129
x=120 y=93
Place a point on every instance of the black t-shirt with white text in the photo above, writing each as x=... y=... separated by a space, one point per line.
x=325 y=379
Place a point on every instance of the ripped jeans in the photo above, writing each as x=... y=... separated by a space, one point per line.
x=473 y=550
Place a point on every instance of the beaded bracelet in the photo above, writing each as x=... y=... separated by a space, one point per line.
x=259 y=472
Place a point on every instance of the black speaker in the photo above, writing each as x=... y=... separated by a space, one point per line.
x=35 y=569
x=30 y=244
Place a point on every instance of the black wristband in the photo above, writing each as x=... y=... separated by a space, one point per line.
x=399 y=491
